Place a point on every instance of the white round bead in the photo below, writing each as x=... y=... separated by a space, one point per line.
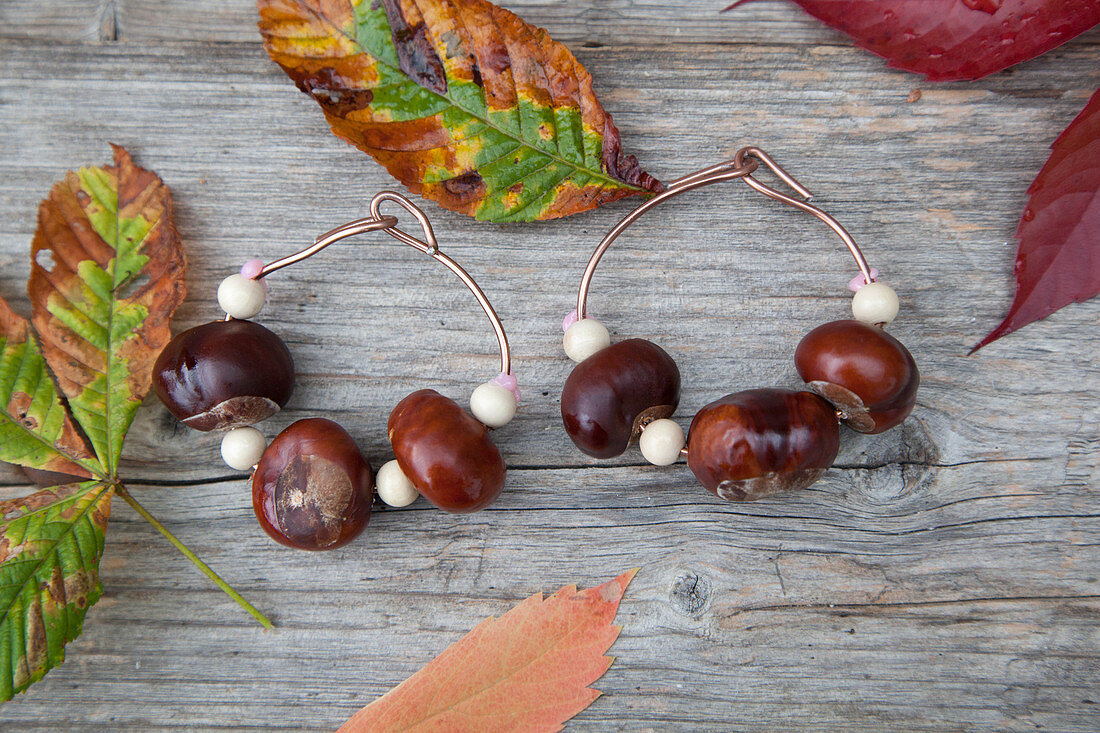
x=241 y=297
x=393 y=486
x=242 y=448
x=661 y=442
x=584 y=338
x=493 y=405
x=875 y=303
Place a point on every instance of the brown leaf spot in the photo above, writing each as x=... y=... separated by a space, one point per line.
x=18 y=507
x=468 y=187
x=19 y=407
x=415 y=54
x=332 y=90
x=35 y=654
x=516 y=188
x=55 y=588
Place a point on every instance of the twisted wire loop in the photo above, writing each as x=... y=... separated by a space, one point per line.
x=429 y=246
x=741 y=166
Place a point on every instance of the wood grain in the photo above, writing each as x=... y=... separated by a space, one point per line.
x=941 y=577
x=591 y=22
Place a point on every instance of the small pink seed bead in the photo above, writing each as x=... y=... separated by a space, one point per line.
x=859 y=281
x=569 y=320
x=509 y=382
x=252 y=270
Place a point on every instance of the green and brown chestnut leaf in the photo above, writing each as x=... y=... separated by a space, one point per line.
x=107 y=272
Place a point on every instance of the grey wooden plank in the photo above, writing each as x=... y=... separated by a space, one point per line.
x=944 y=574
x=767 y=636
x=75 y=20
x=592 y=22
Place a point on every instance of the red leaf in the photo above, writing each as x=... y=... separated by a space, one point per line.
x=1058 y=261
x=949 y=40
x=528 y=670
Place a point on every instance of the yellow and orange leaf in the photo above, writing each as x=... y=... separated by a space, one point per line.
x=528 y=670
x=107 y=273
x=461 y=100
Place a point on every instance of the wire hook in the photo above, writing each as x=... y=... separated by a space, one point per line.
x=751 y=152
x=380 y=222
x=742 y=165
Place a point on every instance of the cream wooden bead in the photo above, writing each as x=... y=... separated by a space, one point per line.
x=242 y=448
x=875 y=303
x=661 y=442
x=393 y=486
x=493 y=405
x=584 y=338
x=241 y=297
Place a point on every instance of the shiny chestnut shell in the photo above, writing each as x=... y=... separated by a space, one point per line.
x=608 y=395
x=868 y=375
x=445 y=452
x=750 y=444
x=224 y=375
x=313 y=489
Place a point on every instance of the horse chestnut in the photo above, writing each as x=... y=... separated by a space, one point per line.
x=609 y=395
x=445 y=452
x=868 y=375
x=313 y=489
x=750 y=444
x=224 y=375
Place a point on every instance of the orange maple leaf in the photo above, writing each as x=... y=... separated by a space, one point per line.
x=528 y=670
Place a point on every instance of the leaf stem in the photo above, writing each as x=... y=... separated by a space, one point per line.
x=206 y=570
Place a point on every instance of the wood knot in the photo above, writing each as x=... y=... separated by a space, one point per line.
x=690 y=594
x=901 y=466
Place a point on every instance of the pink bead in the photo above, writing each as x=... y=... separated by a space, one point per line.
x=859 y=281
x=569 y=320
x=509 y=382
x=252 y=269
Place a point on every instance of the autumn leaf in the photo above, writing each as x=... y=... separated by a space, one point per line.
x=460 y=100
x=1058 y=260
x=50 y=545
x=951 y=40
x=106 y=275
x=35 y=428
x=528 y=670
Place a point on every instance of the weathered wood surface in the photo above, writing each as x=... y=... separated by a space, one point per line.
x=945 y=576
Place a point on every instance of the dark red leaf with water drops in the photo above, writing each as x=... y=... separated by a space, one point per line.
x=1058 y=261
x=951 y=40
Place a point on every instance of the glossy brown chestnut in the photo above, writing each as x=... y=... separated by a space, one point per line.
x=313 y=489
x=445 y=452
x=750 y=444
x=223 y=375
x=610 y=394
x=868 y=375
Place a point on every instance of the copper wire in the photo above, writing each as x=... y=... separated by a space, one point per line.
x=743 y=165
x=379 y=222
